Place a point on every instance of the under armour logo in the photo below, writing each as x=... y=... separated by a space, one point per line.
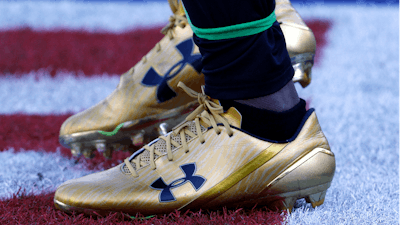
x=189 y=171
x=164 y=91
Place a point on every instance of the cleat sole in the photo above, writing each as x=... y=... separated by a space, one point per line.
x=276 y=202
x=314 y=195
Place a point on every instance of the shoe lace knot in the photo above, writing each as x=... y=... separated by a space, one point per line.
x=207 y=114
x=174 y=21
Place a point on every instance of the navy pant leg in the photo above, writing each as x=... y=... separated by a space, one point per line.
x=243 y=67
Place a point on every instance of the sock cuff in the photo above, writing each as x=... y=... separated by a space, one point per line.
x=257 y=112
x=277 y=126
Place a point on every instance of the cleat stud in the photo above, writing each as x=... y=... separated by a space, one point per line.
x=163 y=129
x=117 y=147
x=288 y=203
x=107 y=153
x=76 y=150
x=101 y=147
x=283 y=203
x=316 y=199
x=138 y=139
x=88 y=153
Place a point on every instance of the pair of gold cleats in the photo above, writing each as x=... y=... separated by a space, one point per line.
x=147 y=103
x=208 y=162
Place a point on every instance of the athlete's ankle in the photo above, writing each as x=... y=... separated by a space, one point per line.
x=280 y=101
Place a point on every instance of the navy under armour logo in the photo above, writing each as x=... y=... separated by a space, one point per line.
x=164 y=91
x=189 y=171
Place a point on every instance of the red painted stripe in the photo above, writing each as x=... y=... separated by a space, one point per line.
x=24 y=50
x=36 y=132
x=39 y=209
x=320 y=29
x=30 y=131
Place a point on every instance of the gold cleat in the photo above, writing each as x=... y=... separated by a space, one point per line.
x=146 y=96
x=208 y=162
x=146 y=103
x=300 y=41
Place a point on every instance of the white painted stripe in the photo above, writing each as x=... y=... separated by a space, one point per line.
x=356 y=95
x=93 y=16
x=36 y=171
x=47 y=95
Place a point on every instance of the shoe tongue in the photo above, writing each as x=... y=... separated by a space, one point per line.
x=181 y=10
x=232 y=115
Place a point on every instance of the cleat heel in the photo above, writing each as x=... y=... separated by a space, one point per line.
x=302 y=65
x=316 y=170
x=316 y=199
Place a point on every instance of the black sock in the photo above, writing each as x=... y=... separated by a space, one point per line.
x=277 y=126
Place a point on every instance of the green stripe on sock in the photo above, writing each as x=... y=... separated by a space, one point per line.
x=234 y=31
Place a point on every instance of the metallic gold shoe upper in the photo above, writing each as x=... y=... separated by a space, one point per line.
x=147 y=91
x=299 y=38
x=139 y=92
x=207 y=163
